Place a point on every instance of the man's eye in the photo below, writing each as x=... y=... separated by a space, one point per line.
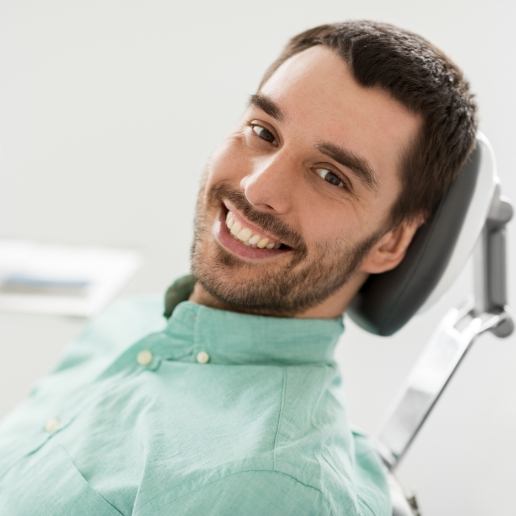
x=262 y=133
x=332 y=178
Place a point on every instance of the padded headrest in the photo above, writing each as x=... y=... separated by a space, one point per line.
x=438 y=252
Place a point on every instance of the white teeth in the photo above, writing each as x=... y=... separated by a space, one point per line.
x=229 y=220
x=246 y=236
x=235 y=228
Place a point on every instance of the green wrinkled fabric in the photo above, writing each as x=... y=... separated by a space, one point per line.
x=205 y=412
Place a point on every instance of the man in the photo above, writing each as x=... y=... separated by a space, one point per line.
x=351 y=139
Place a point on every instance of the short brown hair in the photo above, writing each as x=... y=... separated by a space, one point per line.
x=423 y=79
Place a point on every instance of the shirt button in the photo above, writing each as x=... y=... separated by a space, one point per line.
x=52 y=425
x=144 y=357
x=202 y=357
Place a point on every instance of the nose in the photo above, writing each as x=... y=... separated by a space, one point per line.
x=269 y=186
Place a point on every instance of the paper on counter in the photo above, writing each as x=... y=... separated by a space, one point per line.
x=61 y=279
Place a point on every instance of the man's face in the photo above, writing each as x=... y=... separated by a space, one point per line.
x=314 y=164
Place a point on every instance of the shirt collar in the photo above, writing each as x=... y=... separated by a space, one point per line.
x=234 y=337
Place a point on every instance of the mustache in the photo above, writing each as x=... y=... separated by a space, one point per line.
x=264 y=220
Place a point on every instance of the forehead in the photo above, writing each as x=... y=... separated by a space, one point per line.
x=321 y=100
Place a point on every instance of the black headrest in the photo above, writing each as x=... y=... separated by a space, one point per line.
x=387 y=301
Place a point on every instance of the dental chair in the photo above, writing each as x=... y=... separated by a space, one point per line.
x=470 y=220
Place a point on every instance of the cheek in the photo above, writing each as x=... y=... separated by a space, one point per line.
x=320 y=226
x=333 y=228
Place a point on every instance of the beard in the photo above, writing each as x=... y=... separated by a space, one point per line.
x=268 y=289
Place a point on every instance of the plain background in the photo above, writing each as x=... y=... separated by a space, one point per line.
x=108 y=112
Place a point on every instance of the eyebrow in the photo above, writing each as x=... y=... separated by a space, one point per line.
x=358 y=165
x=268 y=105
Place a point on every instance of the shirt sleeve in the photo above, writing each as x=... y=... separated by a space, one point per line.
x=253 y=493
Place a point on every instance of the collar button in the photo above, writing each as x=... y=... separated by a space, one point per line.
x=144 y=357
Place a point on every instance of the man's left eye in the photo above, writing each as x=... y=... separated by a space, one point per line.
x=333 y=178
x=262 y=133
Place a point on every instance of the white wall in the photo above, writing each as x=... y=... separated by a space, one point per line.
x=108 y=111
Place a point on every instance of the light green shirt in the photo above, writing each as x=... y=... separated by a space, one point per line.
x=210 y=412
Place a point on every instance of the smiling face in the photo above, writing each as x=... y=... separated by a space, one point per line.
x=313 y=167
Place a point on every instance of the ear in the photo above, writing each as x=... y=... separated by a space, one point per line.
x=391 y=248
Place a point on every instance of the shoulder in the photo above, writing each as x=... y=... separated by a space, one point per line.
x=117 y=326
x=316 y=444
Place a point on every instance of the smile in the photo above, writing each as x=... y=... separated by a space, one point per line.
x=247 y=235
x=243 y=239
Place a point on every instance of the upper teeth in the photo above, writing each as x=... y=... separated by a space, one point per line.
x=247 y=236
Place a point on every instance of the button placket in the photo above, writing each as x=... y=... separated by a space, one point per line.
x=52 y=425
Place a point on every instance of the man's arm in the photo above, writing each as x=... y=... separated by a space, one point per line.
x=249 y=493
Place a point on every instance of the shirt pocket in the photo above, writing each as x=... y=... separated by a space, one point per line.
x=28 y=429
x=48 y=482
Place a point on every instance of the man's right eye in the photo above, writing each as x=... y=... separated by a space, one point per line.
x=262 y=133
